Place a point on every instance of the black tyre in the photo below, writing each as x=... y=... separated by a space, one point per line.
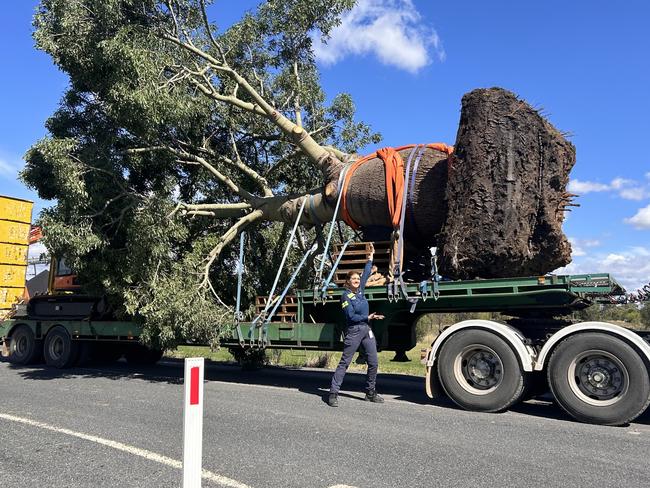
x=139 y=354
x=59 y=350
x=479 y=371
x=23 y=347
x=599 y=379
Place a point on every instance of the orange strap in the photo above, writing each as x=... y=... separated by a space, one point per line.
x=394 y=166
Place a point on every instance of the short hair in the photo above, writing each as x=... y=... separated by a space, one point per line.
x=350 y=274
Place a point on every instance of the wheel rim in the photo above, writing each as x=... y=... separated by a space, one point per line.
x=478 y=369
x=598 y=378
x=56 y=348
x=21 y=344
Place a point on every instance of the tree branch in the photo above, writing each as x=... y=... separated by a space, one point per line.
x=225 y=239
x=189 y=158
x=296 y=100
x=204 y=14
x=297 y=134
x=219 y=210
x=231 y=99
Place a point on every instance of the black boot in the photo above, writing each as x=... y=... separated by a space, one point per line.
x=373 y=397
x=333 y=400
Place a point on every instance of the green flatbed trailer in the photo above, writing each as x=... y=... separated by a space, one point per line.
x=598 y=372
x=61 y=343
x=319 y=322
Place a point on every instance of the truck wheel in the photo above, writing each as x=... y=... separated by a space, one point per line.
x=23 y=346
x=600 y=379
x=59 y=350
x=479 y=371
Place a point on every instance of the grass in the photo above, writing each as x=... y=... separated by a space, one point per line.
x=312 y=359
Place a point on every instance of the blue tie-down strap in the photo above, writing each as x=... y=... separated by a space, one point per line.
x=389 y=292
x=424 y=290
x=414 y=302
x=326 y=283
x=436 y=288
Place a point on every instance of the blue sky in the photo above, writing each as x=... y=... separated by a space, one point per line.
x=407 y=65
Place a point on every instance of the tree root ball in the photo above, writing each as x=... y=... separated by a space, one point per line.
x=495 y=208
x=506 y=191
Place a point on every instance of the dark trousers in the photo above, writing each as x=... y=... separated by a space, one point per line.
x=355 y=336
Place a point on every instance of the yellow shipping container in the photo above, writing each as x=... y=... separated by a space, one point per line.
x=12 y=276
x=15 y=209
x=13 y=254
x=9 y=296
x=15 y=224
x=14 y=232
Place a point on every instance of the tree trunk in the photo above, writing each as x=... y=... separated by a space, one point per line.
x=494 y=209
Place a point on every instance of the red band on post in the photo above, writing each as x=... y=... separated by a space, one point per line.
x=194 y=386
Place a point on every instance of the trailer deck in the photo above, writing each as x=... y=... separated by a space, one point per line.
x=319 y=323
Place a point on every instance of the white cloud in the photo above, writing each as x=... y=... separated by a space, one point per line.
x=577 y=250
x=630 y=266
x=392 y=30
x=578 y=246
x=637 y=193
x=584 y=187
x=613 y=259
x=641 y=220
x=626 y=189
x=36 y=250
x=7 y=169
x=618 y=183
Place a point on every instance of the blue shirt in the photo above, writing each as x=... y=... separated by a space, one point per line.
x=355 y=306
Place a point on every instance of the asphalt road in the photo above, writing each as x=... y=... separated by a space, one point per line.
x=120 y=426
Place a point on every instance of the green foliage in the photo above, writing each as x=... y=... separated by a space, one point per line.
x=629 y=313
x=113 y=217
x=431 y=324
x=645 y=314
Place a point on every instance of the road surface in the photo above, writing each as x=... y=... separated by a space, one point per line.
x=122 y=426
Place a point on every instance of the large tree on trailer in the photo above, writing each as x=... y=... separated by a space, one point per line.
x=174 y=137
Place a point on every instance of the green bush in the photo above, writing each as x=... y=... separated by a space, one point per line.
x=645 y=314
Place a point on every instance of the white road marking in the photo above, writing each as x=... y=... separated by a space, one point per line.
x=342 y=486
x=151 y=456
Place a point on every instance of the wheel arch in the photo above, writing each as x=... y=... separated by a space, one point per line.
x=53 y=326
x=632 y=339
x=11 y=331
x=39 y=329
x=513 y=337
x=38 y=335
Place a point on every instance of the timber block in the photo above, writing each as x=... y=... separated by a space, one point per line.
x=355 y=257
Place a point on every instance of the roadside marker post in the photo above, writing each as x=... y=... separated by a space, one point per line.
x=193 y=422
